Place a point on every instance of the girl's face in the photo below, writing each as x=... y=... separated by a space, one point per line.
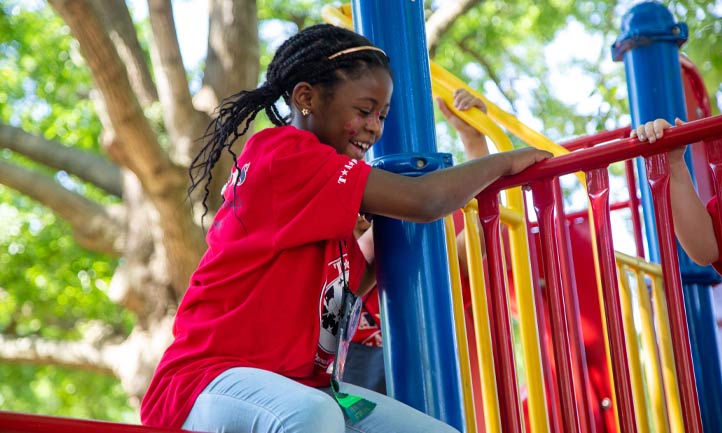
x=352 y=119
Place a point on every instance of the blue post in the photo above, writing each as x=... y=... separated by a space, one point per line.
x=649 y=45
x=422 y=367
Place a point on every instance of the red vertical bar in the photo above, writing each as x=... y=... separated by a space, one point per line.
x=499 y=313
x=543 y=195
x=658 y=176
x=569 y=286
x=634 y=207
x=542 y=314
x=598 y=190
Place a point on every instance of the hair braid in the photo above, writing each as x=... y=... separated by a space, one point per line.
x=302 y=57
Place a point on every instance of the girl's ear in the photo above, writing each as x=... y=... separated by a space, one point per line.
x=302 y=96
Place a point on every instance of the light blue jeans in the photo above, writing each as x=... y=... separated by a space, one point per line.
x=249 y=400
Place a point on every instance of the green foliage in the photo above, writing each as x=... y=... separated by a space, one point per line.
x=704 y=19
x=63 y=392
x=49 y=286
x=48 y=94
x=509 y=51
x=47 y=279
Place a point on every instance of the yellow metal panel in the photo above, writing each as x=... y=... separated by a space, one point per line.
x=525 y=301
x=480 y=308
x=460 y=325
x=340 y=17
x=669 y=371
x=652 y=371
x=635 y=365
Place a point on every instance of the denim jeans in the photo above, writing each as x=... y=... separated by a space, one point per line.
x=249 y=400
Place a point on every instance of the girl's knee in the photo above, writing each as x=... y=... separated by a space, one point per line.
x=319 y=413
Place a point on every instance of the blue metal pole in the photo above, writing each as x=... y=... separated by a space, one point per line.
x=422 y=366
x=649 y=45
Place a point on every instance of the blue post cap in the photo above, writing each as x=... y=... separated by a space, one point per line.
x=646 y=23
x=413 y=164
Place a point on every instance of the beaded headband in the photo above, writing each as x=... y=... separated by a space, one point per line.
x=355 y=49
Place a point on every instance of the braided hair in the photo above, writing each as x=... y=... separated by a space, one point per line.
x=302 y=57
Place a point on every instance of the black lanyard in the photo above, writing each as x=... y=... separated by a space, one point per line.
x=354 y=407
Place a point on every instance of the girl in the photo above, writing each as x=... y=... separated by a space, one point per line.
x=257 y=331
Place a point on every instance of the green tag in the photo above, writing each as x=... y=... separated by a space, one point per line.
x=354 y=407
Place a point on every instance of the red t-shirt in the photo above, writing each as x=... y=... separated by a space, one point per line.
x=369 y=327
x=712 y=209
x=267 y=290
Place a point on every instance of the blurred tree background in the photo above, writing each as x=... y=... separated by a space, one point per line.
x=98 y=120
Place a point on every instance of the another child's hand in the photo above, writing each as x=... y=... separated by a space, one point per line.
x=654 y=130
x=474 y=141
x=362 y=224
x=520 y=159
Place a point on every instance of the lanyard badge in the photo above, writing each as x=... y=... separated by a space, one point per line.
x=354 y=407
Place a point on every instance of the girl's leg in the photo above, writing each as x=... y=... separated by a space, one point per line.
x=392 y=416
x=249 y=400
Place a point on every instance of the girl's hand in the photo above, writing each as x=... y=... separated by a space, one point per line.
x=654 y=130
x=520 y=159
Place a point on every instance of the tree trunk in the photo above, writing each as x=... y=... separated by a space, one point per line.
x=153 y=229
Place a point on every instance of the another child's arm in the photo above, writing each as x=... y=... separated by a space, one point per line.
x=474 y=141
x=365 y=239
x=692 y=223
x=475 y=146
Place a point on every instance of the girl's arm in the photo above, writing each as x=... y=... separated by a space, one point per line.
x=692 y=223
x=429 y=197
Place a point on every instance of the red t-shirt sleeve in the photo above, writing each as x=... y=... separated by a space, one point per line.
x=712 y=209
x=316 y=192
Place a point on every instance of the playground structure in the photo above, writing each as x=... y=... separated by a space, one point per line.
x=431 y=370
x=659 y=395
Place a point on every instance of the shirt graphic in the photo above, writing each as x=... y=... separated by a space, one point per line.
x=329 y=311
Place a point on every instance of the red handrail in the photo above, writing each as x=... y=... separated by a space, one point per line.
x=15 y=422
x=620 y=150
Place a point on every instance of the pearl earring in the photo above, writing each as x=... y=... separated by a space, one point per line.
x=305 y=111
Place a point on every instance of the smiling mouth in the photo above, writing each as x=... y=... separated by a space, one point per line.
x=361 y=145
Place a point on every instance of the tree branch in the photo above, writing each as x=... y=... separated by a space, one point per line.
x=184 y=123
x=117 y=19
x=440 y=21
x=231 y=66
x=232 y=59
x=87 y=166
x=489 y=70
x=93 y=227
x=163 y=181
x=101 y=350
x=74 y=354
x=146 y=158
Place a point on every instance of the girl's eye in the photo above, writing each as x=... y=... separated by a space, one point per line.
x=382 y=117
x=364 y=112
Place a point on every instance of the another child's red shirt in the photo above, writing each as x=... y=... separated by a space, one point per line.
x=712 y=209
x=267 y=290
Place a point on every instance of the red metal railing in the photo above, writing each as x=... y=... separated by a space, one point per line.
x=13 y=422
x=594 y=162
